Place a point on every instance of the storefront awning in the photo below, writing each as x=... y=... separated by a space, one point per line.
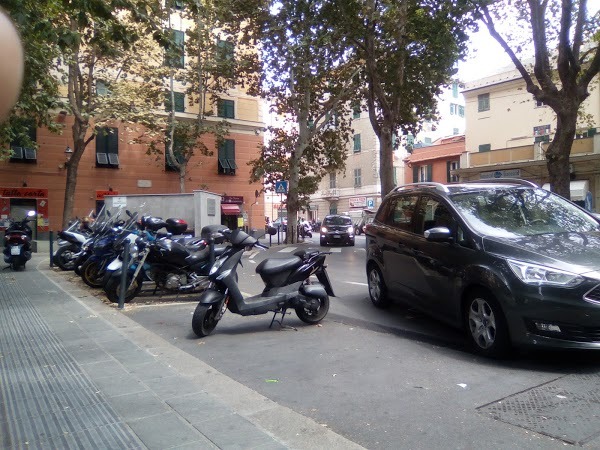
x=230 y=209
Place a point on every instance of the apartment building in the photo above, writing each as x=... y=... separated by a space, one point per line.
x=508 y=132
x=436 y=162
x=35 y=179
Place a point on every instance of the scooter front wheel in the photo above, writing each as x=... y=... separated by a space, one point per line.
x=314 y=315
x=205 y=319
x=112 y=288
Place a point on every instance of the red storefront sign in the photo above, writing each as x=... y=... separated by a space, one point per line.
x=41 y=203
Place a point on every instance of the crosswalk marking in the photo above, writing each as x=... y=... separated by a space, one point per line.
x=293 y=249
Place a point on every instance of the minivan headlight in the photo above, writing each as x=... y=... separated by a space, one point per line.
x=542 y=275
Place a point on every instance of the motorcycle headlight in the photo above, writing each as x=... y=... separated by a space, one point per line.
x=542 y=275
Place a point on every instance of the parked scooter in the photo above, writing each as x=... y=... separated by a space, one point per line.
x=70 y=242
x=288 y=284
x=17 y=242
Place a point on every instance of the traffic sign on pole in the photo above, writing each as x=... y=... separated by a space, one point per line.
x=281 y=187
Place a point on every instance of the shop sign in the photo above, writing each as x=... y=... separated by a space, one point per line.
x=510 y=173
x=101 y=194
x=23 y=193
x=237 y=199
x=358 y=202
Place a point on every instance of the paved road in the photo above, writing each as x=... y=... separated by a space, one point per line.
x=392 y=379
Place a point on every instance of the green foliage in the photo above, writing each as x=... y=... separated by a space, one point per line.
x=310 y=82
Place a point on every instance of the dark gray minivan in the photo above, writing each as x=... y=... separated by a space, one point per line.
x=511 y=263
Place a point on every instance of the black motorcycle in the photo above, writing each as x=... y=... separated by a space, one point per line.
x=17 y=242
x=288 y=284
x=174 y=265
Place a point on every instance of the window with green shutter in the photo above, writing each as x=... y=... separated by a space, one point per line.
x=179 y=101
x=357 y=178
x=225 y=58
x=107 y=147
x=227 y=163
x=356 y=112
x=226 y=108
x=485 y=147
x=483 y=102
x=175 y=54
x=357 y=143
x=23 y=147
x=177 y=153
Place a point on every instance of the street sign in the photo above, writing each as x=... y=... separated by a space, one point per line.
x=371 y=203
x=281 y=187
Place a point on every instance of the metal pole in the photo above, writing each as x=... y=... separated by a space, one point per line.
x=50 y=239
x=124 y=271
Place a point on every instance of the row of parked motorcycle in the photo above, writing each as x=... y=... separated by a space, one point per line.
x=159 y=254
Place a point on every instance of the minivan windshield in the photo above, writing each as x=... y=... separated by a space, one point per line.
x=337 y=220
x=514 y=212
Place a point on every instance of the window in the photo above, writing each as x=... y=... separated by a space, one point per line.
x=428 y=140
x=432 y=213
x=177 y=4
x=23 y=148
x=333 y=208
x=227 y=163
x=107 y=147
x=226 y=108
x=450 y=166
x=483 y=102
x=455 y=131
x=177 y=152
x=485 y=147
x=422 y=173
x=461 y=111
x=101 y=88
x=357 y=178
x=455 y=89
x=401 y=211
x=357 y=144
x=179 y=101
x=453 y=109
x=175 y=56
x=225 y=53
x=356 y=112
x=332 y=181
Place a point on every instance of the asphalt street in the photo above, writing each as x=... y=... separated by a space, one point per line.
x=393 y=378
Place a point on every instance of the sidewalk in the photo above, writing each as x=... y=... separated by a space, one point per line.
x=77 y=373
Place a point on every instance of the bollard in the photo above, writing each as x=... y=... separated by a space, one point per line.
x=50 y=239
x=124 y=270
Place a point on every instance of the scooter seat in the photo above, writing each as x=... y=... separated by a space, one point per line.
x=272 y=266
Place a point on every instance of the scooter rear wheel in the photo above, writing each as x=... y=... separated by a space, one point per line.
x=204 y=320
x=312 y=317
x=64 y=257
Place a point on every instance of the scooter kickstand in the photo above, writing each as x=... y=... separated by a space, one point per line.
x=280 y=322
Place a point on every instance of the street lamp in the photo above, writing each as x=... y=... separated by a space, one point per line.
x=68 y=153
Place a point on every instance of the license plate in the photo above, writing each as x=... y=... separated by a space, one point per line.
x=336 y=236
x=15 y=251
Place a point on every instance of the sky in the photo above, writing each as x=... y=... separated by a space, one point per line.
x=487 y=55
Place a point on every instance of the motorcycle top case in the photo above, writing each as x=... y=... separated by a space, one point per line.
x=176 y=226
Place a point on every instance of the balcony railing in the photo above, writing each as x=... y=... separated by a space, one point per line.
x=331 y=194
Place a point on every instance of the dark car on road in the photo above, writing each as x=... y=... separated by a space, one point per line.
x=511 y=263
x=337 y=229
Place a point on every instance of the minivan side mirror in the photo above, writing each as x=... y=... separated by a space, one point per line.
x=438 y=234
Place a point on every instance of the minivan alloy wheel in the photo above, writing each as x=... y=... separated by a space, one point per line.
x=486 y=325
x=482 y=323
x=377 y=289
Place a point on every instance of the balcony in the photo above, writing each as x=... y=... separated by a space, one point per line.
x=533 y=152
x=331 y=194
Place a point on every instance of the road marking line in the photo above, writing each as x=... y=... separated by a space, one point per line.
x=287 y=249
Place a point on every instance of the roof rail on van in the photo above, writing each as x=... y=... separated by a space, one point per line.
x=430 y=184
x=503 y=180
